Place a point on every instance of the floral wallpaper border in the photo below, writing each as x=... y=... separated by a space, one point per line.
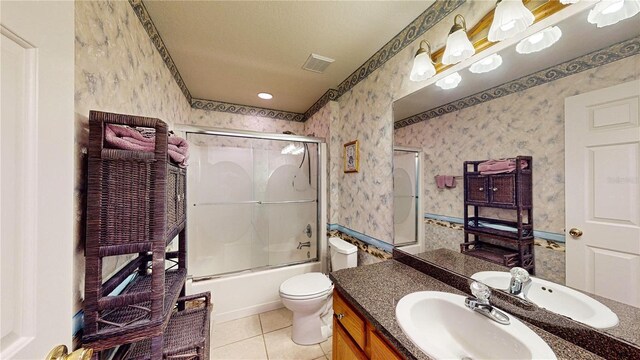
x=436 y=12
x=220 y=106
x=154 y=35
x=597 y=58
x=330 y=95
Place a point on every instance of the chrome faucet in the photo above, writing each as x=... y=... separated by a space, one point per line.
x=304 y=244
x=480 y=303
x=520 y=282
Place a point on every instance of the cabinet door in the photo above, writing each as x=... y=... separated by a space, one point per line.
x=477 y=188
x=503 y=189
x=343 y=347
x=380 y=350
x=350 y=319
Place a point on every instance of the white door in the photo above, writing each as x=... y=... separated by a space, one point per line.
x=602 y=166
x=36 y=177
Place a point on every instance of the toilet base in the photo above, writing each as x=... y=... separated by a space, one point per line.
x=311 y=327
x=308 y=329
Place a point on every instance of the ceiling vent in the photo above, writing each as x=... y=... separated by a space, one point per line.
x=317 y=63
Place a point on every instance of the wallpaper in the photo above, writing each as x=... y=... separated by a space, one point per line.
x=117 y=69
x=324 y=124
x=228 y=120
x=530 y=122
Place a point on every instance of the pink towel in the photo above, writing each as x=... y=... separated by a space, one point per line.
x=500 y=166
x=126 y=138
x=445 y=181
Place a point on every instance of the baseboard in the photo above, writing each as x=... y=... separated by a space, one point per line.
x=244 y=312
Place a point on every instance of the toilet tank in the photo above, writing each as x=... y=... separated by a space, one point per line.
x=343 y=254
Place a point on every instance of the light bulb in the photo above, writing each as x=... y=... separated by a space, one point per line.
x=609 y=12
x=487 y=64
x=535 y=38
x=613 y=7
x=539 y=41
x=449 y=82
x=508 y=26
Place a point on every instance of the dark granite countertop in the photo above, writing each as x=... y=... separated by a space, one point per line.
x=628 y=329
x=374 y=290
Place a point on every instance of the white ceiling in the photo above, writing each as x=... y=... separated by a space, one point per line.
x=231 y=50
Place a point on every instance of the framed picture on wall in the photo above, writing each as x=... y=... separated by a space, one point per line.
x=351 y=157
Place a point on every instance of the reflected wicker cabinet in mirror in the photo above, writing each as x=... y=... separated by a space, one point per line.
x=136 y=207
x=498 y=213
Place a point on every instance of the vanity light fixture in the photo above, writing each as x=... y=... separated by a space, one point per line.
x=509 y=18
x=609 y=12
x=422 y=63
x=487 y=64
x=265 y=96
x=449 y=82
x=458 y=46
x=539 y=41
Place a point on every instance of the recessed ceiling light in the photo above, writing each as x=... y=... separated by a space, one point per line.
x=265 y=96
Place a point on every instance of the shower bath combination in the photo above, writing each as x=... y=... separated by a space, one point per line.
x=253 y=200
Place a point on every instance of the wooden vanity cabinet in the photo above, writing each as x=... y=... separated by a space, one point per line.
x=354 y=337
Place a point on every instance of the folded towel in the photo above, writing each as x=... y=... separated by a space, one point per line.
x=126 y=138
x=500 y=166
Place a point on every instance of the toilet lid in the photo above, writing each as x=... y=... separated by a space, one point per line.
x=306 y=284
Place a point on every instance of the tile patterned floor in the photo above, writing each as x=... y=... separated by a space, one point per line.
x=265 y=336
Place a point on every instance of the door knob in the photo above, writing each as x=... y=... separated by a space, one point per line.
x=61 y=352
x=575 y=232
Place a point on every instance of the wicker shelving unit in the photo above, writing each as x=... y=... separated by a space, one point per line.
x=505 y=242
x=136 y=207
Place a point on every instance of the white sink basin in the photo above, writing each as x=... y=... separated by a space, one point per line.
x=556 y=298
x=441 y=326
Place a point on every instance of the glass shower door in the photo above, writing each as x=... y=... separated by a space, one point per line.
x=252 y=204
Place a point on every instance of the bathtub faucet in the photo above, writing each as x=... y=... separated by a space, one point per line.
x=304 y=244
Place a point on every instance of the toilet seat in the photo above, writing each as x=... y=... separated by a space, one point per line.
x=306 y=286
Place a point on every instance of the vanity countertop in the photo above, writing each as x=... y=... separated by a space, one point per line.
x=375 y=289
x=628 y=329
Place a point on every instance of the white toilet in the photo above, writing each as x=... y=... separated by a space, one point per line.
x=309 y=296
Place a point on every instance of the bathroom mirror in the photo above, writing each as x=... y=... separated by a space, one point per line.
x=518 y=109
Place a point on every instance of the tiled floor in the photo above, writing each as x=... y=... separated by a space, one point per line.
x=266 y=336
